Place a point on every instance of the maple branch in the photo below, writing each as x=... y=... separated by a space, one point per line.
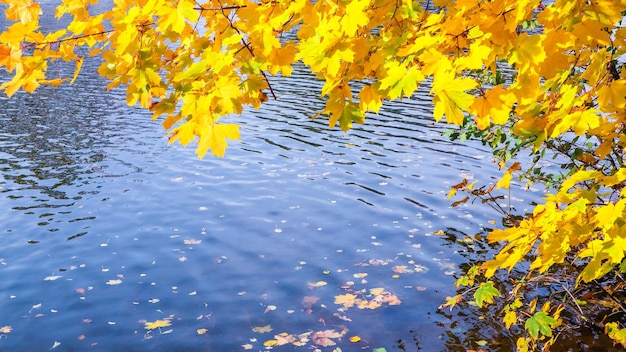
x=31 y=45
x=230 y=7
x=247 y=46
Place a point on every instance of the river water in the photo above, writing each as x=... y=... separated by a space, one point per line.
x=106 y=228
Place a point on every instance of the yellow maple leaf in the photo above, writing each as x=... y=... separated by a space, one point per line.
x=400 y=80
x=151 y=325
x=495 y=105
x=23 y=10
x=450 y=97
x=505 y=181
x=528 y=52
x=175 y=18
x=348 y=300
x=613 y=95
x=214 y=138
x=9 y=56
x=474 y=60
x=355 y=17
x=510 y=318
x=370 y=99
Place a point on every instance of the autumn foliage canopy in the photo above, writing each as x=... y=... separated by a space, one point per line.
x=541 y=77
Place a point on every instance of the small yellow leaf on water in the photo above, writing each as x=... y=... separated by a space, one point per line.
x=202 y=331
x=6 y=329
x=247 y=346
x=317 y=284
x=439 y=233
x=114 y=282
x=270 y=343
x=151 y=325
x=355 y=339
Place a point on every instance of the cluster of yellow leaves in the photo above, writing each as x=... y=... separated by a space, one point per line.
x=362 y=300
x=570 y=221
x=198 y=61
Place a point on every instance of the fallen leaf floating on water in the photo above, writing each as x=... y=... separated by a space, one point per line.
x=192 y=241
x=324 y=338
x=35 y=306
x=355 y=339
x=269 y=309
x=402 y=269
x=247 y=346
x=6 y=329
x=348 y=300
x=202 y=331
x=270 y=343
x=151 y=325
x=52 y=278
x=317 y=284
x=114 y=282
x=262 y=329
x=284 y=338
x=342 y=317
x=55 y=345
x=378 y=297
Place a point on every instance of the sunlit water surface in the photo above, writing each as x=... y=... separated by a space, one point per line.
x=105 y=227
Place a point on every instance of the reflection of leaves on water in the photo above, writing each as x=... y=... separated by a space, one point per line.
x=262 y=329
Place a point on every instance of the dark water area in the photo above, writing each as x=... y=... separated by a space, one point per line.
x=104 y=227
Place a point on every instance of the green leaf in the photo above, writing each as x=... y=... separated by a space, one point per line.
x=541 y=322
x=485 y=293
x=380 y=349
